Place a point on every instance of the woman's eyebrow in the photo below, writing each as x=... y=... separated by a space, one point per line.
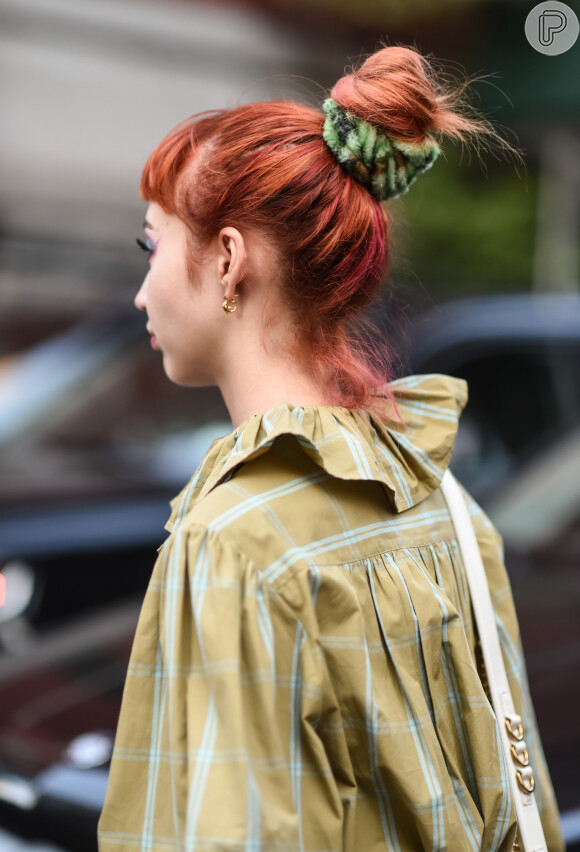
x=147 y=224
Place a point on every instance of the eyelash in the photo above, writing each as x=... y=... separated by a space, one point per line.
x=147 y=246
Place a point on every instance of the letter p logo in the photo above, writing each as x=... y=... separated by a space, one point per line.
x=552 y=27
x=551 y=22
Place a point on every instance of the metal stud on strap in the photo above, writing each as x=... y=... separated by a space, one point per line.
x=526 y=780
x=514 y=727
x=519 y=754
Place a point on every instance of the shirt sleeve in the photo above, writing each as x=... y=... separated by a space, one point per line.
x=217 y=746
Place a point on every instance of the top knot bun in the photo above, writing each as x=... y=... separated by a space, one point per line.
x=384 y=120
x=398 y=91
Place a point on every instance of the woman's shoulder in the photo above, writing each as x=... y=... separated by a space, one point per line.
x=254 y=507
x=313 y=485
x=407 y=450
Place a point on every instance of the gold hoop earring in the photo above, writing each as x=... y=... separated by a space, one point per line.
x=227 y=308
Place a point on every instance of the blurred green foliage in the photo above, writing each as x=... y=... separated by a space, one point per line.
x=404 y=13
x=466 y=227
x=393 y=12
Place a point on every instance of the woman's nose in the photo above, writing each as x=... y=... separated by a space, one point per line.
x=140 y=301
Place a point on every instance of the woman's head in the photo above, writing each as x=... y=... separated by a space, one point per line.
x=265 y=168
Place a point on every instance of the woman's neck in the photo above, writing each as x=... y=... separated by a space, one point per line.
x=257 y=384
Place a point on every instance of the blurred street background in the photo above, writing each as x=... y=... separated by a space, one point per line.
x=94 y=441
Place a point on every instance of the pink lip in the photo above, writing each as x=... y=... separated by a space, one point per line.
x=153 y=338
x=154 y=342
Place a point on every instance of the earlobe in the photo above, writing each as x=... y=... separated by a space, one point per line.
x=232 y=260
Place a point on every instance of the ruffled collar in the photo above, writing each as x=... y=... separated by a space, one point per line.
x=408 y=456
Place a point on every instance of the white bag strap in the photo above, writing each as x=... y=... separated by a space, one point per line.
x=530 y=832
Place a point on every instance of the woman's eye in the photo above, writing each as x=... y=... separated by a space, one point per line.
x=147 y=246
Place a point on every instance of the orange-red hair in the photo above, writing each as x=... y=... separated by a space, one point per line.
x=265 y=166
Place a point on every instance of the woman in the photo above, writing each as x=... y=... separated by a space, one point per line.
x=303 y=675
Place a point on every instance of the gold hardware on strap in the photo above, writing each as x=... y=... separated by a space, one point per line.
x=518 y=733
x=520 y=757
x=526 y=811
x=516 y=847
x=527 y=784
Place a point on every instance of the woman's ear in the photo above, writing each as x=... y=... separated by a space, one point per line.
x=232 y=260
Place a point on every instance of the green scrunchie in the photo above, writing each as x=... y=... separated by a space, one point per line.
x=385 y=166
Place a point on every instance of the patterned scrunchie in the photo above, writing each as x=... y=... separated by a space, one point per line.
x=385 y=166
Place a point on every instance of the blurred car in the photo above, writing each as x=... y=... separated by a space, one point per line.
x=520 y=356
x=59 y=711
x=94 y=442
x=77 y=543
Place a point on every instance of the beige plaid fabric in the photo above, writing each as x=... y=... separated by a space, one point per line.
x=303 y=676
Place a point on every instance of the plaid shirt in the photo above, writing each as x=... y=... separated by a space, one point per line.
x=303 y=675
